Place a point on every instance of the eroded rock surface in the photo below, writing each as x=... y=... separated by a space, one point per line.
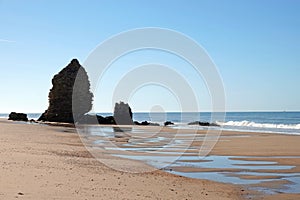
x=63 y=100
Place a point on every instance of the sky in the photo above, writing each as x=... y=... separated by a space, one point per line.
x=255 y=46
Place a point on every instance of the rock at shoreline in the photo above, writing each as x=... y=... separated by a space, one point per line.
x=96 y=119
x=106 y=120
x=168 y=123
x=17 y=116
x=145 y=123
x=122 y=114
x=202 y=123
x=62 y=97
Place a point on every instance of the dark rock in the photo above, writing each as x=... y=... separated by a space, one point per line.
x=145 y=123
x=168 y=123
x=122 y=114
x=88 y=119
x=42 y=117
x=109 y=120
x=17 y=116
x=202 y=123
x=106 y=120
x=96 y=119
x=64 y=102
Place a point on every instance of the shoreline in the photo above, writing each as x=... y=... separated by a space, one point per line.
x=258 y=122
x=184 y=126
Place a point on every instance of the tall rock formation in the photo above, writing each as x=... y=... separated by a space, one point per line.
x=63 y=100
x=123 y=114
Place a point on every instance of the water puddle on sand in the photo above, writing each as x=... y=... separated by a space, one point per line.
x=226 y=170
x=169 y=153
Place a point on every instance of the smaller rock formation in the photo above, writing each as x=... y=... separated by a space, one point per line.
x=168 y=123
x=202 y=123
x=17 y=116
x=122 y=114
x=106 y=120
x=145 y=123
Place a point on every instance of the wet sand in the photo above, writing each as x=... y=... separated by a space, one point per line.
x=266 y=163
x=47 y=162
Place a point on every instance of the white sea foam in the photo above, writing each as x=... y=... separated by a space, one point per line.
x=259 y=125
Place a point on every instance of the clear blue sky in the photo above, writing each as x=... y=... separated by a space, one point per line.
x=255 y=45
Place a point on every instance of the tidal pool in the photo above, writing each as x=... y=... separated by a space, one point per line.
x=175 y=154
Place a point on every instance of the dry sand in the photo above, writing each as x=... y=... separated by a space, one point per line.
x=47 y=162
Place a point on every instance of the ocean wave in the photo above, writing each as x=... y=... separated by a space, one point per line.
x=259 y=125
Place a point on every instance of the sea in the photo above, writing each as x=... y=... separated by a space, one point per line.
x=270 y=122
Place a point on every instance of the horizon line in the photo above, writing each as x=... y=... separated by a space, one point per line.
x=232 y=111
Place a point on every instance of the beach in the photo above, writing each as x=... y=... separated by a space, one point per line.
x=50 y=162
x=151 y=100
x=47 y=162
